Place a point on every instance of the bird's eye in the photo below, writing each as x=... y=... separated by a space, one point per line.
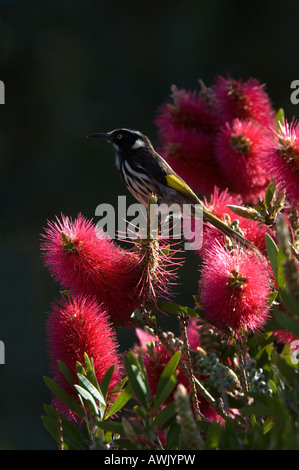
x=119 y=136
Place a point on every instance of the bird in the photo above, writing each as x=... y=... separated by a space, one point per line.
x=146 y=173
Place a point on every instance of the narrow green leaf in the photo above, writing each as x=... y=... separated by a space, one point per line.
x=176 y=309
x=136 y=379
x=50 y=411
x=144 y=375
x=91 y=389
x=50 y=425
x=173 y=438
x=279 y=118
x=269 y=194
x=124 y=444
x=272 y=252
x=120 y=385
x=168 y=370
x=272 y=296
x=213 y=439
x=90 y=372
x=165 y=392
x=268 y=424
x=112 y=426
x=165 y=415
x=167 y=380
x=120 y=401
x=66 y=372
x=105 y=382
x=88 y=398
x=280 y=272
x=65 y=397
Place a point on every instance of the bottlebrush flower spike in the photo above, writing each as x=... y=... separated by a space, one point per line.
x=239 y=146
x=75 y=326
x=281 y=157
x=83 y=260
x=243 y=100
x=160 y=258
x=191 y=154
x=234 y=289
x=187 y=110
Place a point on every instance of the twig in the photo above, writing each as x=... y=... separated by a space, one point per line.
x=183 y=324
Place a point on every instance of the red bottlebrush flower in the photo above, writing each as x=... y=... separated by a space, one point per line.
x=238 y=149
x=191 y=154
x=81 y=259
x=285 y=337
x=188 y=110
x=75 y=326
x=243 y=100
x=159 y=262
x=234 y=289
x=281 y=157
x=252 y=230
x=193 y=333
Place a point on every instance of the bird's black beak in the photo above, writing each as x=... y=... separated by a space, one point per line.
x=101 y=135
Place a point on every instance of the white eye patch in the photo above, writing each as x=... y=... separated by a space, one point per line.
x=139 y=143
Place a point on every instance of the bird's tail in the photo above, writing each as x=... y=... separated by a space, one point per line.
x=228 y=231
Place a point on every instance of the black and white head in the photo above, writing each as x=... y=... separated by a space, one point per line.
x=124 y=141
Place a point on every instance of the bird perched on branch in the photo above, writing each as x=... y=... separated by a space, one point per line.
x=145 y=172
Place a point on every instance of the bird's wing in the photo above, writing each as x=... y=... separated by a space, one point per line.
x=164 y=175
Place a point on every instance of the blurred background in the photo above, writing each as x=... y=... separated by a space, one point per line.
x=73 y=68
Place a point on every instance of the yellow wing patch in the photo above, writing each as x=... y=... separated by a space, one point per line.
x=180 y=186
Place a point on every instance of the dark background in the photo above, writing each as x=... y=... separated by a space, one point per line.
x=71 y=68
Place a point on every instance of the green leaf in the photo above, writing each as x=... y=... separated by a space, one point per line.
x=279 y=118
x=66 y=372
x=65 y=397
x=289 y=302
x=167 y=380
x=96 y=393
x=136 y=379
x=272 y=252
x=116 y=427
x=124 y=444
x=176 y=309
x=173 y=438
x=280 y=272
x=51 y=426
x=50 y=411
x=90 y=372
x=269 y=194
x=88 y=398
x=268 y=424
x=120 y=401
x=105 y=382
x=286 y=322
x=272 y=296
x=213 y=436
x=165 y=415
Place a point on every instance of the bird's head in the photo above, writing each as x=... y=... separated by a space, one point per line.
x=124 y=140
